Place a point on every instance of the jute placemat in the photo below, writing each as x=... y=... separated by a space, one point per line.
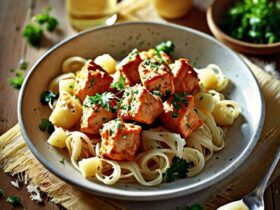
x=15 y=158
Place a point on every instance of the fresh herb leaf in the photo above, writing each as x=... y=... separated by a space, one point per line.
x=17 y=81
x=33 y=34
x=196 y=206
x=2 y=193
x=105 y=100
x=167 y=47
x=62 y=161
x=46 y=125
x=45 y=18
x=119 y=85
x=23 y=65
x=157 y=93
x=47 y=97
x=178 y=169
x=14 y=201
x=179 y=99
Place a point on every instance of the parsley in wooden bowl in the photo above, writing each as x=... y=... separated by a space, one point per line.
x=247 y=26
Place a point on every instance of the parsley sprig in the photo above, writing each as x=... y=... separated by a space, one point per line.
x=46 y=125
x=14 y=201
x=48 y=97
x=178 y=99
x=34 y=31
x=119 y=85
x=105 y=100
x=178 y=169
x=167 y=47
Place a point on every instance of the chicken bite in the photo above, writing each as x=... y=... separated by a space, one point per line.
x=139 y=105
x=90 y=80
x=179 y=114
x=119 y=140
x=128 y=68
x=156 y=76
x=185 y=78
x=98 y=110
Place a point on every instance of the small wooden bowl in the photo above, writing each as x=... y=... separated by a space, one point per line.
x=214 y=14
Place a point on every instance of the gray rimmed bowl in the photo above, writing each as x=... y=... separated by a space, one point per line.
x=119 y=40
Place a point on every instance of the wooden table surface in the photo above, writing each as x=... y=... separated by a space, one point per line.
x=13 y=16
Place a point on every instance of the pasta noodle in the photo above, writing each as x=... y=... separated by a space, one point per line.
x=154 y=156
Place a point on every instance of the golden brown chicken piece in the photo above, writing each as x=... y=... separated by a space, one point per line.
x=98 y=110
x=156 y=76
x=185 y=78
x=119 y=140
x=179 y=115
x=128 y=67
x=90 y=80
x=140 y=105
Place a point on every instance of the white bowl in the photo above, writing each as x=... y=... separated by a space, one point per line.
x=119 y=40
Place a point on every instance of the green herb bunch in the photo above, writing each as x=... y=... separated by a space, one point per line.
x=255 y=21
x=33 y=32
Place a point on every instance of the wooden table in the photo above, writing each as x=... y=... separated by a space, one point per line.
x=13 y=16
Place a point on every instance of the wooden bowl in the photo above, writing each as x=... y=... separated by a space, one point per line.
x=215 y=12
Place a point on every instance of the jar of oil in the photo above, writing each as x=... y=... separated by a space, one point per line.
x=84 y=14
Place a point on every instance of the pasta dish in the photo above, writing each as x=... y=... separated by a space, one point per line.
x=147 y=119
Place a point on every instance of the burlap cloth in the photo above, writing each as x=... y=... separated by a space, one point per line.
x=15 y=158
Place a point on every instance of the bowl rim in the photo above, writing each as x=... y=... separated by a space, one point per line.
x=214 y=26
x=144 y=195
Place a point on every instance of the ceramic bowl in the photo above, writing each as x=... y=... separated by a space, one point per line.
x=215 y=13
x=119 y=40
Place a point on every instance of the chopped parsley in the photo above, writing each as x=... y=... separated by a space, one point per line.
x=157 y=93
x=46 y=125
x=119 y=85
x=179 y=99
x=105 y=100
x=62 y=161
x=2 y=193
x=167 y=47
x=17 y=81
x=178 y=169
x=195 y=207
x=14 y=201
x=23 y=65
x=174 y=115
x=47 y=97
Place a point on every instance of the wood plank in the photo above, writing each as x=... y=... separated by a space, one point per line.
x=11 y=19
x=276 y=194
x=268 y=198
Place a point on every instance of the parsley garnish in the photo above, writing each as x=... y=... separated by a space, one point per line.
x=23 y=64
x=178 y=169
x=33 y=31
x=104 y=100
x=62 y=161
x=195 y=207
x=14 y=201
x=33 y=34
x=17 y=81
x=119 y=85
x=46 y=125
x=44 y=18
x=2 y=193
x=167 y=47
x=157 y=93
x=48 y=97
x=178 y=99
